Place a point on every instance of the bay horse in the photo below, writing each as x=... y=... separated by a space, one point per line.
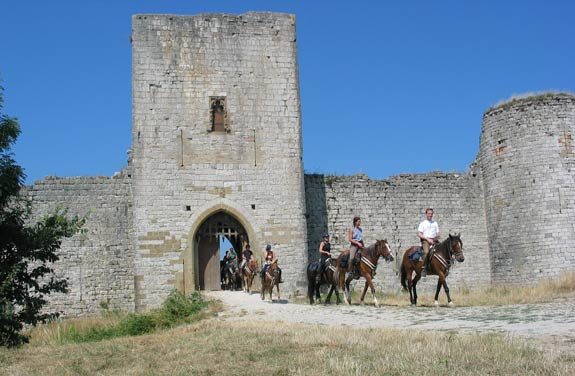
x=366 y=268
x=445 y=252
x=315 y=278
x=271 y=278
x=248 y=272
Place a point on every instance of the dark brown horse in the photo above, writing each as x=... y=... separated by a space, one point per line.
x=248 y=272
x=366 y=268
x=445 y=252
x=315 y=278
x=271 y=278
x=232 y=278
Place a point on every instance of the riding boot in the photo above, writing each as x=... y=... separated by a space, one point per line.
x=355 y=267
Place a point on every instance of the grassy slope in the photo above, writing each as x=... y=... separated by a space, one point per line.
x=213 y=347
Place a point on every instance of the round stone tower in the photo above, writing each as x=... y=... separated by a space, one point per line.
x=528 y=166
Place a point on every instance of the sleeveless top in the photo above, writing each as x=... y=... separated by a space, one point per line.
x=356 y=234
x=326 y=246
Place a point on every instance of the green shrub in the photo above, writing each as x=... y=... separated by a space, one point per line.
x=177 y=309
x=136 y=324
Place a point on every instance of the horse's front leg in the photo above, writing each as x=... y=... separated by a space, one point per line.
x=440 y=281
x=370 y=280
x=337 y=295
x=446 y=289
x=278 y=291
x=328 y=297
x=364 y=291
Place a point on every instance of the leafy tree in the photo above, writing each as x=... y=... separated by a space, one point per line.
x=26 y=251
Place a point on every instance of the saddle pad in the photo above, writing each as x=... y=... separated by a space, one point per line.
x=416 y=255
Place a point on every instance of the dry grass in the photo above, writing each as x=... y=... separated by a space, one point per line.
x=542 y=292
x=213 y=347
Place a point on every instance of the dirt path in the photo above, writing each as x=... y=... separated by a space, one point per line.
x=550 y=325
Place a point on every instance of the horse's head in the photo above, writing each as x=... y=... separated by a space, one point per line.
x=253 y=266
x=455 y=246
x=383 y=249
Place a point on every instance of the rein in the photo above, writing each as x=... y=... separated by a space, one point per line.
x=450 y=254
x=370 y=252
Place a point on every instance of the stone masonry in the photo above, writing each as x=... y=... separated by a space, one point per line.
x=98 y=262
x=217 y=129
x=252 y=170
x=528 y=165
x=392 y=209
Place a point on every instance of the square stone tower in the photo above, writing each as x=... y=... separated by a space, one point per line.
x=217 y=148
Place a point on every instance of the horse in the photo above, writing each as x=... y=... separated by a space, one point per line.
x=366 y=268
x=232 y=278
x=315 y=278
x=442 y=260
x=248 y=272
x=271 y=278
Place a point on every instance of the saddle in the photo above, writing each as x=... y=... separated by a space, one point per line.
x=416 y=254
x=345 y=259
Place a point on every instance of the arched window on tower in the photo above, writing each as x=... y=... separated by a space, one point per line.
x=218 y=116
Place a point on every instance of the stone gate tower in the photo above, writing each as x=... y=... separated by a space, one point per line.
x=216 y=147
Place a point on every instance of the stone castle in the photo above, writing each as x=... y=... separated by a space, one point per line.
x=217 y=149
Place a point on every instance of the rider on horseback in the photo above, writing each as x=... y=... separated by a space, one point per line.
x=269 y=259
x=246 y=256
x=355 y=237
x=324 y=252
x=428 y=233
x=232 y=260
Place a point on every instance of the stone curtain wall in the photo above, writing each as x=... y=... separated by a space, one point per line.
x=98 y=262
x=182 y=170
x=528 y=163
x=392 y=209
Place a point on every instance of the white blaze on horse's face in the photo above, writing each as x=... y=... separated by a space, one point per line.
x=388 y=249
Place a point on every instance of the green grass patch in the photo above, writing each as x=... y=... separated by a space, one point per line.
x=177 y=309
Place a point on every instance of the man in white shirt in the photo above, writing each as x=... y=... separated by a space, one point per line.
x=428 y=233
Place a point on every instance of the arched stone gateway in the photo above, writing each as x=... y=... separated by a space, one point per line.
x=206 y=243
x=201 y=258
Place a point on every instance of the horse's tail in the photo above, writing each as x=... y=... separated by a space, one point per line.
x=403 y=276
x=310 y=282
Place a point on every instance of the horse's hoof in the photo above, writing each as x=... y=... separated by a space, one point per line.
x=413 y=304
x=436 y=303
x=450 y=304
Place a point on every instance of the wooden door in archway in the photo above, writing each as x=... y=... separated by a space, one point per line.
x=218 y=224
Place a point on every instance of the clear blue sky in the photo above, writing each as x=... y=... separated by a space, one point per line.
x=404 y=82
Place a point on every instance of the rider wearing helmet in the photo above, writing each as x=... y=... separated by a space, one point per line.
x=324 y=252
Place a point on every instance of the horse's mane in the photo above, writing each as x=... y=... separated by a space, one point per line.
x=370 y=251
x=443 y=245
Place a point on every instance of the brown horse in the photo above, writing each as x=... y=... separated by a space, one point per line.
x=366 y=268
x=442 y=259
x=248 y=272
x=271 y=278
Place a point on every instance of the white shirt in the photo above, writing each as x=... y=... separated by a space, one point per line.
x=429 y=229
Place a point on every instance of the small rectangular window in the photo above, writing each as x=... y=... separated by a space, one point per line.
x=218 y=115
